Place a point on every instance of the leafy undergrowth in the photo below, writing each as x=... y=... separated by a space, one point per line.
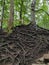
x=16 y=23
x=43 y=24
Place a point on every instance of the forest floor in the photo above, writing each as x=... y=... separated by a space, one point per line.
x=24 y=45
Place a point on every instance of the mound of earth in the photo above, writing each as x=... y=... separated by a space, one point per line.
x=23 y=46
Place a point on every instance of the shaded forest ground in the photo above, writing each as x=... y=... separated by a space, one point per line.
x=24 y=45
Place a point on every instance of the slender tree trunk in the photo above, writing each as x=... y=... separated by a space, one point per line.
x=21 y=9
x=11 y=17
x=3 y=5
x=33 y=22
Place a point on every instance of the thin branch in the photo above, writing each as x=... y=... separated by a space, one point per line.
x=42 y=10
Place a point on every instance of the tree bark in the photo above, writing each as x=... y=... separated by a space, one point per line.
x=33 y=12
x=11 y=17
x=21 y=9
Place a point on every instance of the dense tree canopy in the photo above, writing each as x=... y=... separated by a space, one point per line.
x=22 y=12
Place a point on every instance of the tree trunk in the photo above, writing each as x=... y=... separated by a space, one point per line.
x=11 y=17
x=21 y=6
x=33 y=12
x=3 y=5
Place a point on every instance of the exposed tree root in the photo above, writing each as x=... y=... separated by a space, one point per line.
x=23 y=45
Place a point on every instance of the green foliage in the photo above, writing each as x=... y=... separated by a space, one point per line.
x=42 y=18
x=16 y=23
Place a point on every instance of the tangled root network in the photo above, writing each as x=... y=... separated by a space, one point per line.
x=23 y=46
